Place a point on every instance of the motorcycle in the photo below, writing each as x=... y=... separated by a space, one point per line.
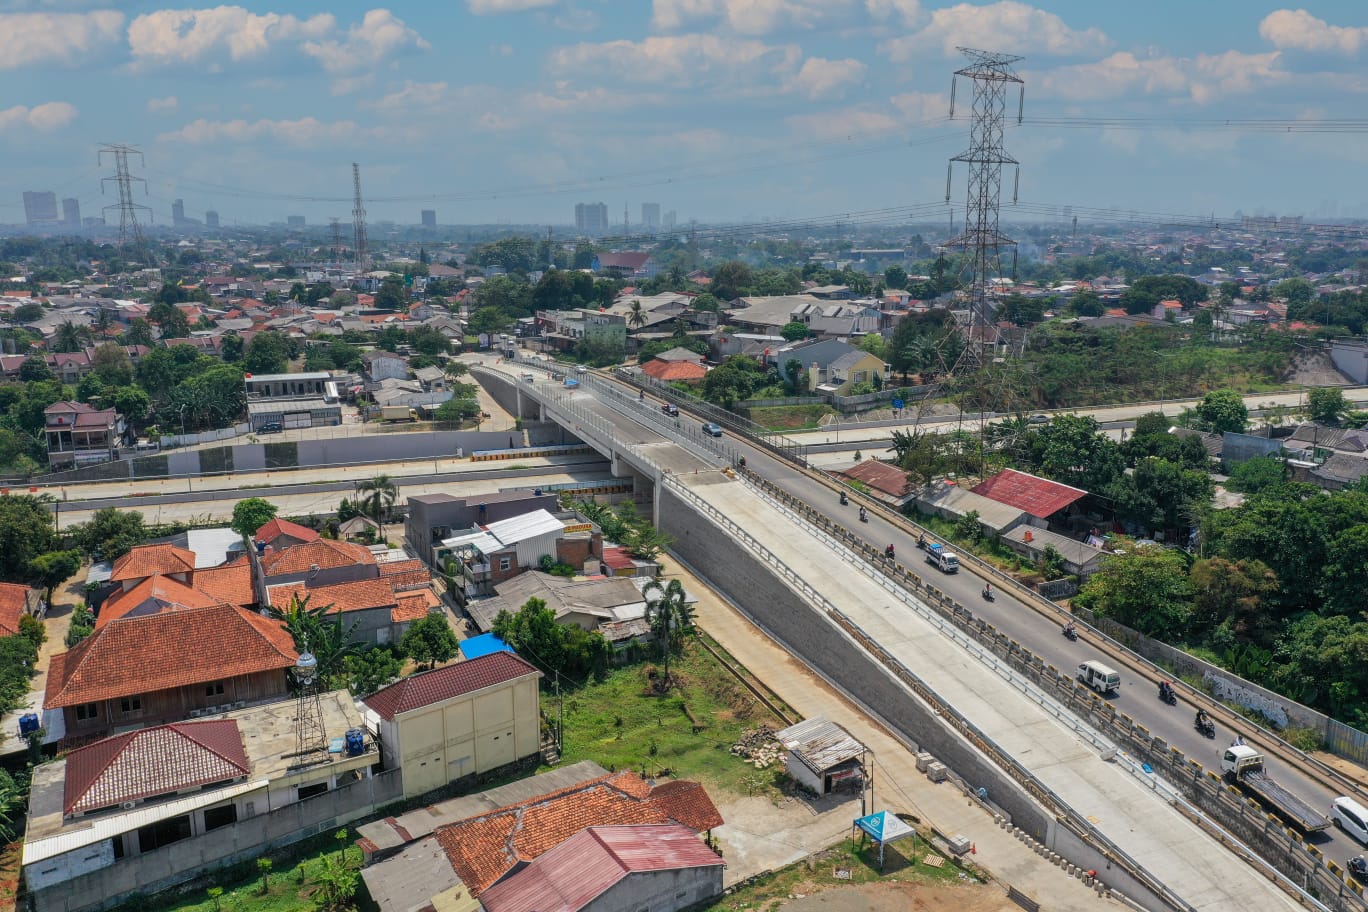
x=888 y=552
x=1167 y=695
x=921 y=542
x=1358 y=867
x=864 y=517
x=844 y=500
x=1070 y=634
x=988 y=593
x=1205 y=726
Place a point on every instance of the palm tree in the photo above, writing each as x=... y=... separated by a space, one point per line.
x=377 y=496
x=636 y=317
x=670 y=617
x=69 y=337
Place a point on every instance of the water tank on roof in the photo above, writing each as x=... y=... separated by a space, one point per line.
x=28 y=723
x=306 y=666
x=356 y=742
x=261 y=547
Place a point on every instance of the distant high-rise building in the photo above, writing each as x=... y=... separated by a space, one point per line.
x=294 y=222
x=211 y=219
x=40 y=207
x=650 y=215
x=178 y=212
x=429 y=218
x=71 y=212
x=669 y=221
x=591 y=218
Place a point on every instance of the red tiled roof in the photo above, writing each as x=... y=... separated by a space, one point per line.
x=882 y=477
x=355 y=595
x=624 y=260
x=1039 y=497
x=149 y=560
x=406 y=575
x=231 y=583
x=573 y=874
x=482 y=849
x=674 y=370
x=139 y=655
x=414 y=606
x=13 y=606
x=618 y=558
x=323 y=552
x=393 y=568
x=278 y=527
x=153 y=761
x=154 y=595
x=450 y=681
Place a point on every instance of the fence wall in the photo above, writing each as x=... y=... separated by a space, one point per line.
x=246 y=840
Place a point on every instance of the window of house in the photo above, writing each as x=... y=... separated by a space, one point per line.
x=308 y=791
x=220 y=817
x=214 y=690
x=505 y=563
x=87 y=712
x=163 y=833
x=130 y=705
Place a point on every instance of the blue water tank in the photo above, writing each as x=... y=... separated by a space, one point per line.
x=356 y=742
x=28 y=723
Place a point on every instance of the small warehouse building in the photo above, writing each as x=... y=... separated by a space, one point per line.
x=822 y=756
x=293 y=413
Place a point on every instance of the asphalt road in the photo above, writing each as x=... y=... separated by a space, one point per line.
x=1138 y=697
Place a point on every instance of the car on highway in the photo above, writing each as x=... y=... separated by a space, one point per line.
x=271 y=427
x=712 y=430
x=1039 y=419
x=670 y=409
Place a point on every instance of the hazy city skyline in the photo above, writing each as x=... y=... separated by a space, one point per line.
x=515 y=110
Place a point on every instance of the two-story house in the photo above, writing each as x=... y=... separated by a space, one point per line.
x=80 y=434
x=831 y=366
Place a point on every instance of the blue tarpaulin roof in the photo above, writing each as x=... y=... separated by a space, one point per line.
x=484 y=644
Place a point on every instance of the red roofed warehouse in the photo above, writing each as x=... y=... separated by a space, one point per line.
x=1039 y=497
x=460 y=720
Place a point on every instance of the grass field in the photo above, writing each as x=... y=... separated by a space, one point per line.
x=789 y=417
x=623 y=723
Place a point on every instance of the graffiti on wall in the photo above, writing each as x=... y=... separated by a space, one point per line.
x=1231 y=692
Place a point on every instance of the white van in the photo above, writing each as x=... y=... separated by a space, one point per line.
x=1099 y=677
x=1351 y=817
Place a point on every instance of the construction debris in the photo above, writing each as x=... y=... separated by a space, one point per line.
x=759 y=747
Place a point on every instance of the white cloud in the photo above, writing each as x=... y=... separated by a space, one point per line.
x=189 y=36
x=493 y=7
x=41 y=118
x=750 y=17
x=1299 y=30
x=306 y=131
x=1203 y=78
x=411 y=95
x=820 y=77
x=163 y=105
x=921 y=107
x=1007 y=26
x=839 y=124
x=563 y=98
x=908 y=11
x=374 y=40
x=679 y=60
x=56 y=38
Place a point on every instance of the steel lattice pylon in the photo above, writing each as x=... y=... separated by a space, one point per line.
x=360 y=252
x=981 y=239
x=129 y=229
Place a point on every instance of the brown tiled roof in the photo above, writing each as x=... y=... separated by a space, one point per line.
x=325 y=553
x=278 y=527
x=149 y=560
x=688 y=803
x=13 y=605
x=394 y=568
x=451 y=681
x=153 y=761
x=231 y=583
x=139 y=655
x=154 y=595
x=409 y=575
x=482 y=849
x=357 y=595
x=414 y=606
x=674 y=370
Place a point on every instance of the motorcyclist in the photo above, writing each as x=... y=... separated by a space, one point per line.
x=1070 y=630
x=888 y=552
x=1201 y=721
x=844 y=500
x=1165 y=689
x=987 y=590
x=921 y=541
x=863 y=515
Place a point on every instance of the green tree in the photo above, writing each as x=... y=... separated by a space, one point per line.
x=490 y=321
x=1323 y=661
x=267 y=353
x=139 y=332
x=1072 y=449
x=321 y=632
x=25 y=532
x=376 y=497
x=230 y=347
x=69 y=337
x=169 y=319
x=109 y=534
x=671 y=618
x=731 y=280
x=732 y=380
x=1326 y=405
x=1086 y=303
x=264 y=869
x=1295 y=290
x=1221 y=411
x=52 y=568
x=28 y=313
x=35 y=368
x=429 y=640
x=371 y=669
x=646 y=542
x=391 y=295
x=110 y=362
x=554 y=648
x=1257 y=474
x=251 y=514
x=1146 y=589
x=895 y=277
x=1234 y=595
x=794 y=331
x=707 y=302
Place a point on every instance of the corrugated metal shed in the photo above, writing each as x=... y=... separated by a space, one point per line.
x=529 y=525
x=820 y=743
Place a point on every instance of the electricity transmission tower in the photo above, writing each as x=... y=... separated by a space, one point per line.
x=981 y=239
x=360 y=252
x=129 y=230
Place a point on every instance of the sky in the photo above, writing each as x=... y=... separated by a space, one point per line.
x=512 y=111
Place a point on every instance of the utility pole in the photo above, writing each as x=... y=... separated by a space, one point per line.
x=981 y=239
x=129 y=229
x=360 y=253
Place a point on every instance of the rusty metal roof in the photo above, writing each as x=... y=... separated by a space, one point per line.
x=820 y=743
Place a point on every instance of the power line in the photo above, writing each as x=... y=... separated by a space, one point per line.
x=129 y=230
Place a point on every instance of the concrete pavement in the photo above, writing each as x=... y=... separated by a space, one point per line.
x=57 y=623
x=1127 y=809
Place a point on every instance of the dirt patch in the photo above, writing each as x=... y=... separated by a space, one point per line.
x=1315 y=369
x=901 y=897
x=1347 y=768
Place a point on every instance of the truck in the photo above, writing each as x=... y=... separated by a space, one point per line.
x=942 y=559
x=1244 y=766
x=398 y=413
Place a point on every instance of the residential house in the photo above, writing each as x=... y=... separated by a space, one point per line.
x=626 y=265
x=676 y=365
x=1043 y=500
x=279 y=534
x=590 y=604
x=565 y=329
x=460 y=720
x=103 y=816
x=1078 y=558
x=498 y=551
x=80 y=434
x=661 y=867
x=162 y=667
x=309 y=385
x=948 y=500
x=383 y=365
x=145 y=561
x=767 y=314
x=885 y=481
x=833 y=319
x=17 y=601
x=434 y=517
x=832 y=366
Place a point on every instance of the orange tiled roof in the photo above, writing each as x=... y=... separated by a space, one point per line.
x=482 y=849
x=149 y=560
x=154 y=595
x=414 y=606
x=231 y=583
x=139 y=655
x=406 y=575
x=324 y=552
x=278 y=527
x=391 y=568
x=357 y=595
x=13 y=605
x=674 y=370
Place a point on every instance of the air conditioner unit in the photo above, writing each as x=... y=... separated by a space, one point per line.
x=196 y=713
x=128 y=805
